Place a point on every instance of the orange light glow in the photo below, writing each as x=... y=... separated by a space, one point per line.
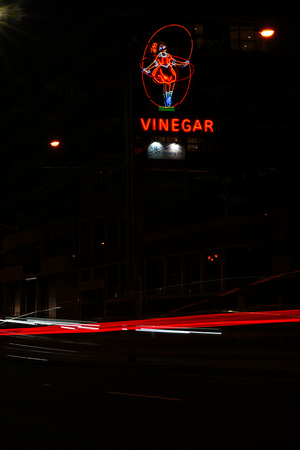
x=54 y=143
x=267 y=32
x=153 y=48
x=212 y=257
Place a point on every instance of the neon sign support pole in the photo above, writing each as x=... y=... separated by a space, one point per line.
x=128 y=176
x=130 y=266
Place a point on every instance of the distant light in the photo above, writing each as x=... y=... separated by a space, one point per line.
x=54 y=143
x=213 y=257
x=267 y=32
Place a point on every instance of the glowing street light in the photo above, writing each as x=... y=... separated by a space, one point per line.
x=54 y=143
x=268 y=32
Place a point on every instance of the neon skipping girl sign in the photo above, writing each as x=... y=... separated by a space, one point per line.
x=166 y=67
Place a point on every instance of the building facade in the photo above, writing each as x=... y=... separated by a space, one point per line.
x=142 y=209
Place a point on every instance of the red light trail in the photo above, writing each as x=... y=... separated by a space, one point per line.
x=199 y=321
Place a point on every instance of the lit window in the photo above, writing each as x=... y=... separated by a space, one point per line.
x=196 y=144
x=192 y=144
x=245 y=38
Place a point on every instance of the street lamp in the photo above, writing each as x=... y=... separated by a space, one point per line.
x=54 y=143
x=267 y=32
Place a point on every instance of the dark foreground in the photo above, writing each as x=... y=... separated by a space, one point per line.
x=136 y=406
x=236 y=390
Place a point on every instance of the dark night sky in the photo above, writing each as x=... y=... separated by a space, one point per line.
x=90 y=7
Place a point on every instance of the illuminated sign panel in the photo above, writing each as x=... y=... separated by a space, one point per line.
x=163 y=57
x=166 y=75
x=162 y=150
x=176 y=125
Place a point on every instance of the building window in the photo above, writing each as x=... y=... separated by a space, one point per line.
x=99 y=240
x=32 y=261
x=199 y=34
x=44 y=298
x=246 y=262
x=245 y=38
x=155 y=275
x=209 y=35
x=31 y=296
x=197 y=144
x=174 y=275
x=2 y=308
x=112 y=281
x=113 y=231
x=85 y=242
x=12 y=299
x=192 y=144
x=99 y=273
x=213 y=270
x=4 y=260
x=116 y=281
x=86 y=275
x=192 y=273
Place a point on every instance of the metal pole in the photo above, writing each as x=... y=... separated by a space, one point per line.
x=130 y=216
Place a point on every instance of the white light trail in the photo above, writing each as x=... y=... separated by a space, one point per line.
x=27 y=357
x=160 y=330
x=42 y=348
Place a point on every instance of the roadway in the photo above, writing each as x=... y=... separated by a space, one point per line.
x=150 y=390
x=133 y=406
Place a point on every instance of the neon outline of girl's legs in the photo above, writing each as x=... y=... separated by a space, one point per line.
x=168 y=92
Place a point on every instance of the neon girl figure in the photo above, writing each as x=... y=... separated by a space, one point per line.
x=163 y=71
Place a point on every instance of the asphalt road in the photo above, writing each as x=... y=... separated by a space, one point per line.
x=46 y=406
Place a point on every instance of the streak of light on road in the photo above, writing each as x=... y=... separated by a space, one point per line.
x=181 y=323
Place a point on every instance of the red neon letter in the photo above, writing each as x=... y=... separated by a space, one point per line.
x=163 y=124
x=187 y=128
x=208 y=124
x=175 y=125
x=197 y=125
x=145 y=125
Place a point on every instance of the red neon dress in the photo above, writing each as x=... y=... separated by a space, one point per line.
x=164 y=72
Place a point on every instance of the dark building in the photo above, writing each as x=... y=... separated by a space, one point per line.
x=104 y=225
